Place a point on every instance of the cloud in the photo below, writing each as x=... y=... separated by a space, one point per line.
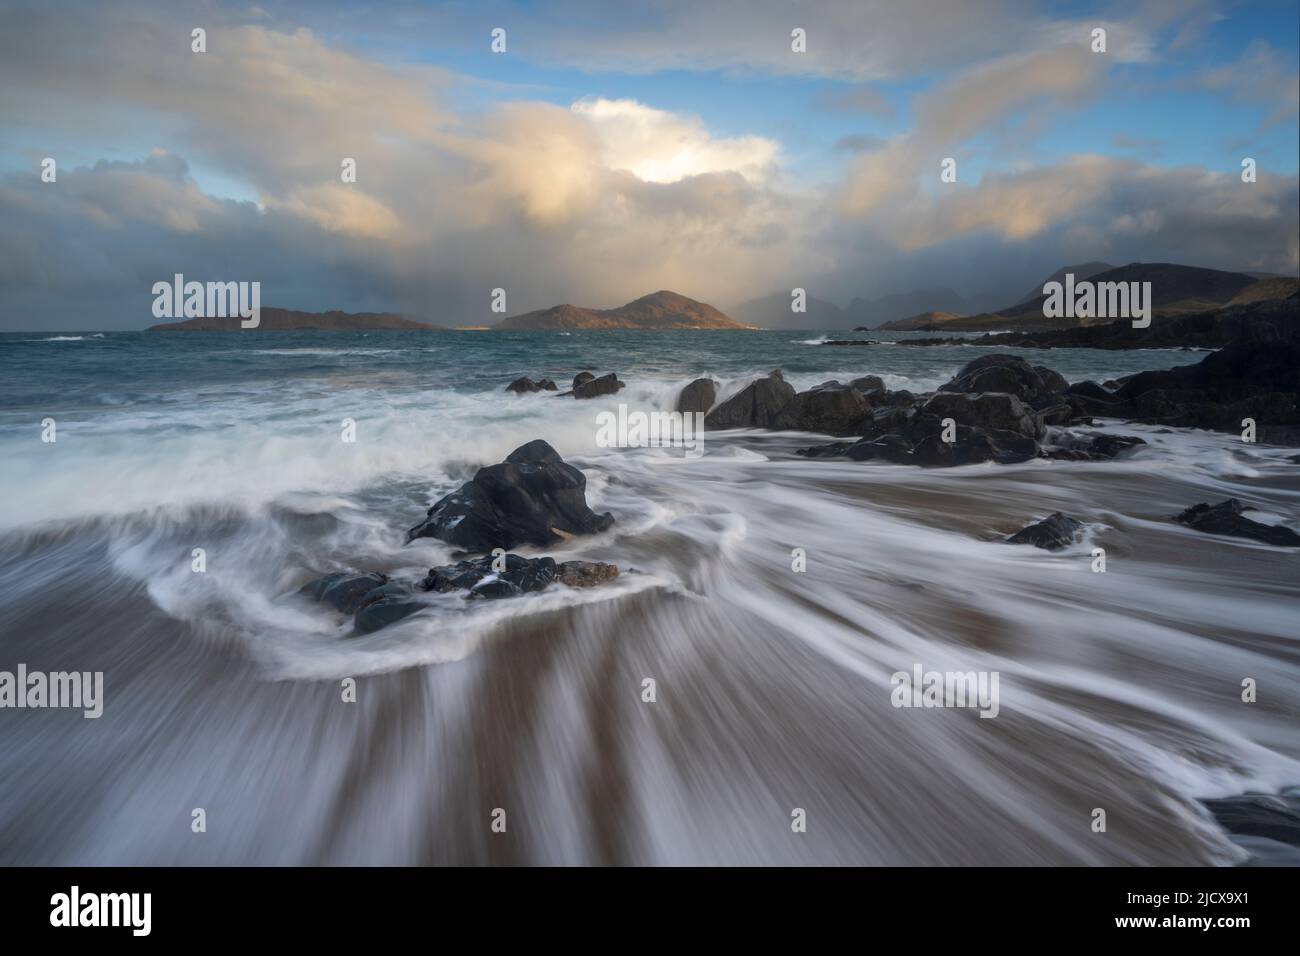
x=662 y=147
x=593 y=203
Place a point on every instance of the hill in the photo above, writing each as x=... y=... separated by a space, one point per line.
x=1175 y=290
x=657 y=311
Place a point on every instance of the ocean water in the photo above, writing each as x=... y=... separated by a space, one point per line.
x=1119 y=691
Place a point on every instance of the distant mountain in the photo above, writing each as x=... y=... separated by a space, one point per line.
x=1085 y=270
x=926 y=320
x=773 y=312
x=1175 y=290
x=874 y=313
x=659 y=310
x=284 y=320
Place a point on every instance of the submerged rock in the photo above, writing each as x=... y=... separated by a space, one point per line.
x=533 y=497
x=525 y=384
x=1053 y=533
x=1226 y=518
x=520 y=576
x=343 y=591
x=1091 y=446
x=595 y=387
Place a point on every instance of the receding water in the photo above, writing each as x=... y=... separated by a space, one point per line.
x=1119 y=691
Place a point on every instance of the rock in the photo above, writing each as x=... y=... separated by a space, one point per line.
x=1053 y=533
x=998 y=410
x=533 y=497
x=344 y=591
x=868 y=384
x=757 y=405
x=972 y=446
x=891 y=448
x=525 y=384
x=1090 y=446
x=1061 y=413
x=1091 y=390
x=385 y=610
x=582 y=378
x=585 y=574
x=698 y=396
x=830 y=408
x=520 y=576
x=1001 y=373
x=605 y=385
x=1256 y=375
x=1226 y=518
x=1053 y=380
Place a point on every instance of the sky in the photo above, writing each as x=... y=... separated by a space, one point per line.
x=616 y=149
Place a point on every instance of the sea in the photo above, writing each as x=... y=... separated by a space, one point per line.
x=768 y=731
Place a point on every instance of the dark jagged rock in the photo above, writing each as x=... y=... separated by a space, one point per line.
x=533 y=497
x=829 y=408
x=1091 y=390
x=998 y=410
x=344 y=591
x=891 y=448
x=1255 y=376
x=757 y=405
x=594 y=388
x=1053 y=380
x=1053 y=533
x=1003 y=373
x=582 y=378
x=698 y=396
x=373 y=598
x=1226 y=518
x=869 y=384
x=520 y=575
x=1090 y=446
x=974 y=445
x=525 y=384
x=384 y=606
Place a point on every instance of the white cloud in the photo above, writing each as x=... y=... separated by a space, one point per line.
x=662 y=147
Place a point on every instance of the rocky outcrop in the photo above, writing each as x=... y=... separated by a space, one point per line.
x=1226 y=518
x=698 y=396
x=533 y=497
x=996 y=410
x=829 y=408
x=757 y=405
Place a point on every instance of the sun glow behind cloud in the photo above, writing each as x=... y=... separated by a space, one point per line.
x=657 y=146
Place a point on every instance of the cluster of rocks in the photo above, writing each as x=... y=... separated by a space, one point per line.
x=375 y=600
x=1001 y=409
x=585 y=385
x=534 y=497
x=1059 y=531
